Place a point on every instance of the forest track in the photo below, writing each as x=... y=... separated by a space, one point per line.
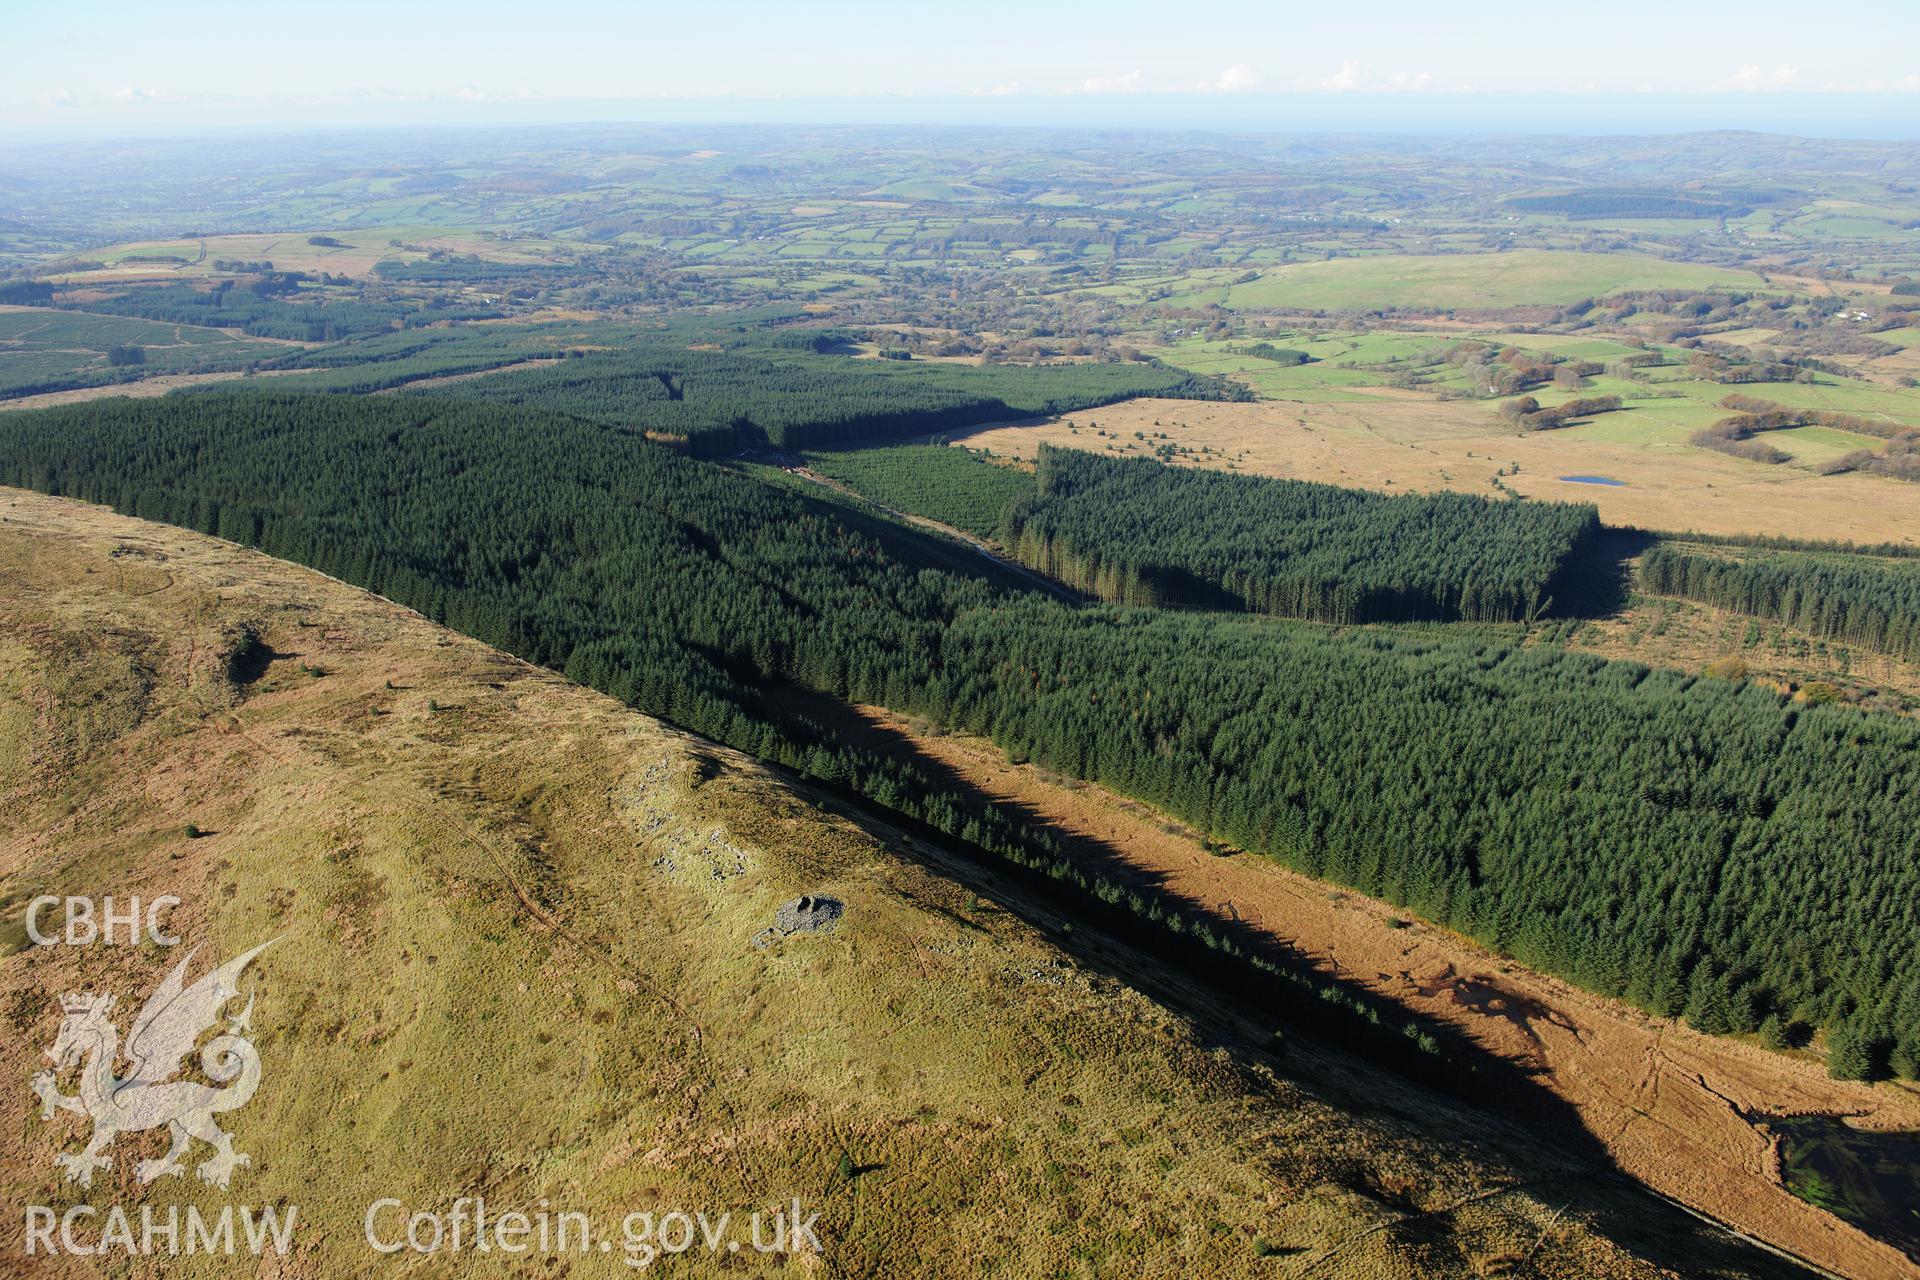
x=449 y=379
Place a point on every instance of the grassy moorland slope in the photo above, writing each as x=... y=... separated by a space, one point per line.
x=517 y=959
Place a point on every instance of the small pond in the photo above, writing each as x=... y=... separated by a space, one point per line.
x=1592 y=480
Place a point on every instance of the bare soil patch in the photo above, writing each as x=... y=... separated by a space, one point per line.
x=355 y=255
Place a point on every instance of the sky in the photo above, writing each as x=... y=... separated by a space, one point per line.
x=136 y=67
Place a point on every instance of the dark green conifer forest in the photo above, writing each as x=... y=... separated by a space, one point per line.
x=1138 y=532
x=1694 y=846
x=720 y=402
x=263 y=310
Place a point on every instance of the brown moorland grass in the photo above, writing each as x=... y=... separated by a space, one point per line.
x=1412 y=442
x=515 y=958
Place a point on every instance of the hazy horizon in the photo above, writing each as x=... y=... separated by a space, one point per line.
x=219 y=67
x=1826 y=117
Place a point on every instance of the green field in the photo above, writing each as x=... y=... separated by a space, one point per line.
x=1321 y=382
x=1479 y=280
x=1663 y=405
x=1818 y=444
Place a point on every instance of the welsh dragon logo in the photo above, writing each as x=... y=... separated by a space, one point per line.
x=148 y=1096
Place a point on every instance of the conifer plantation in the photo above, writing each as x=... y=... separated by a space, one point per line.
x=986 y=644
x=1138 y=532
x=1851 y=599
x=1694 y=846
x=720 y=402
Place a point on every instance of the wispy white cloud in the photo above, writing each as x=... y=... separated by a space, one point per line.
x=1352 y=77
x=1239 y=78
x=1345 y=80
x=1006 y=90
x=1757 y=79
x=1131 y=82
x=1905 y=84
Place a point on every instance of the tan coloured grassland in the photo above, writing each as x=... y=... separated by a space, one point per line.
x=1410 y=442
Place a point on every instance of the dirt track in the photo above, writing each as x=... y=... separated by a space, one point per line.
x=1669 y=1104
x=448 y=379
